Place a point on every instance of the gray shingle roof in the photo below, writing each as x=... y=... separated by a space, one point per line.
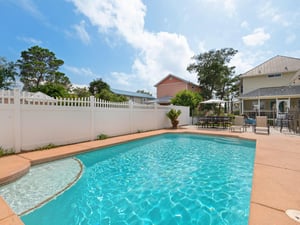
x=132 y=94
x=274 y=92
x=277 y=64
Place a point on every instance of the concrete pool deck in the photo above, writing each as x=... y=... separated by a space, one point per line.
x=276 y=178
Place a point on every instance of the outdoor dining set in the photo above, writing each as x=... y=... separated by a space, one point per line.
x=236 y=123
x=215 y=121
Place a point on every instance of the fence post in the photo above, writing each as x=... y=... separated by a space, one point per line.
x=131 y=112
x=156 y=116
x=17 y=120
x=92 y=118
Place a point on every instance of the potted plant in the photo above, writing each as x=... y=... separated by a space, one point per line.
x=173 y=115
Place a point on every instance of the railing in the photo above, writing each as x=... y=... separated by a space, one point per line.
x=253 y=113
x=27 y=98
x=289 y=120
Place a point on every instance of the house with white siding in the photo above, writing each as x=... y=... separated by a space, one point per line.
x=271 y=88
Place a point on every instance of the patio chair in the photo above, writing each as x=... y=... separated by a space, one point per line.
x=202 y=122
x=262 y=124
x=238 y=124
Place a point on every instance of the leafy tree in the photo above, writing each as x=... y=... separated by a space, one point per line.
x=60 y=78
x=233 y=90
x=107 y=95
x=96 y=86
x=52 y=89
x=144 y=92
x=187 y=98
x=102 y=90
x=7 y=73
x=81 y=92
x=214 y=74
x=118 y=98
x=39 y=66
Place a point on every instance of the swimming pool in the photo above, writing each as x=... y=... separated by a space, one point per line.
x=166 y=179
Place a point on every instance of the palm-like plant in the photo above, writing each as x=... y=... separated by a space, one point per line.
x=173 y=115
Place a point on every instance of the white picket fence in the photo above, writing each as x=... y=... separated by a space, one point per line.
x=29 y=121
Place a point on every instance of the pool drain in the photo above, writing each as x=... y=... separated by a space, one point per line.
x=294 y=214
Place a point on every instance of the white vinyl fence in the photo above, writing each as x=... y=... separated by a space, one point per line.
x=29 y=122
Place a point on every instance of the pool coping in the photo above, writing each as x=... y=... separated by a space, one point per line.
x=275 y=179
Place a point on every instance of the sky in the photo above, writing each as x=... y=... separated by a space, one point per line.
x=134 y=44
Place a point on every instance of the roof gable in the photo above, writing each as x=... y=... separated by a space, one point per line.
x=175 y=78
x=277 y=64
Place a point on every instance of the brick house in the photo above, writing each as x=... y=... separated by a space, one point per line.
x=169 y=86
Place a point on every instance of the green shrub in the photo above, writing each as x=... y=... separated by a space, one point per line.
x=173 y=115
x=45 y=147
x=102 y=136
x=4 y=152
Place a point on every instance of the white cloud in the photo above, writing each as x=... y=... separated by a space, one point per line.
x=258 y=37
x=80 y=86
x=120 y=78
x=82 y=33
x=158 y=53
x=30 y=40
x=246 y=60
x=228 y=5
x=201 y=47
x=268 y=11
x=244 y=24
x=162 y=53
x=126 y=18
x=241 y=62
x=86 y=72
x=29 y=6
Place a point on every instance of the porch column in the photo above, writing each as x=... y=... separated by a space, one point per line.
x=277 y=107
x=242 y=106
x=258 y=106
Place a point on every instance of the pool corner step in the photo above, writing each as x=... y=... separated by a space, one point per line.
x=12 y=167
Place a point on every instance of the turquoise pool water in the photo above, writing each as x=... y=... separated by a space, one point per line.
x=167 y=179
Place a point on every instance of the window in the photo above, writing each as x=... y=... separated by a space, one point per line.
x=274 y=75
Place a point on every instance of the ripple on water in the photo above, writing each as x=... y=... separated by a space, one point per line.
x=169 y=179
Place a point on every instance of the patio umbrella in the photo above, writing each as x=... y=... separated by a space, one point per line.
x=213 y=101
